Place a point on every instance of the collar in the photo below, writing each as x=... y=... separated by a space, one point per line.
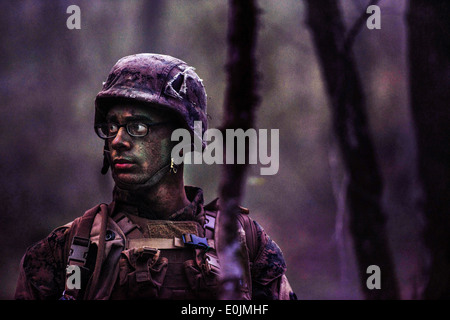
x=126 y=201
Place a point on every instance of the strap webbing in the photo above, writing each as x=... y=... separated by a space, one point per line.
x=162 y=243
x=250 y=235
x=127 y=226
x=79 y=248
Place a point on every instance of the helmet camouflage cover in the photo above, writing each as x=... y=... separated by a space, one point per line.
x=157 y=81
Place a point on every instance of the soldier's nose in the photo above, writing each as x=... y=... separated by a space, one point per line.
x=121 y=140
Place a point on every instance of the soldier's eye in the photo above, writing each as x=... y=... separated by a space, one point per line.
x=137 y=128
x=112 y=128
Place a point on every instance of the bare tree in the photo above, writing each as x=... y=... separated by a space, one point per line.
x=364 y=189
x=241 y=99
x=429 y=65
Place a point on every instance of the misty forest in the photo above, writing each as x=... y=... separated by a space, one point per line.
x=358 y=90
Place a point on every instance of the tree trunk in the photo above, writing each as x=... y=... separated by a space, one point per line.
x=429 y=63
x=347 y=101
x=239 y=107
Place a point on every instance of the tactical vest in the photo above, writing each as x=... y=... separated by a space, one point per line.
x=120 y=258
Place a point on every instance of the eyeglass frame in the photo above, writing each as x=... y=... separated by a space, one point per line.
x=147 y=124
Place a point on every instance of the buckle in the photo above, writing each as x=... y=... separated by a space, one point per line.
x=195 y=241
x=146 y=251
x=210 y=222
x=212 y=264
x=79 y=249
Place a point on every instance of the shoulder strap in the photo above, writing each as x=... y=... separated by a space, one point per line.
x=79 y=237
x=250 y=233
x=246 y=222
x=77 y=252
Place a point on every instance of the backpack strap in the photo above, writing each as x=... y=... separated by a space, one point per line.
x=211 y=210
x=250 y=233
x=77 y=252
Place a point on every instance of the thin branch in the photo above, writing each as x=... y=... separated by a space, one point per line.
x=241 y=100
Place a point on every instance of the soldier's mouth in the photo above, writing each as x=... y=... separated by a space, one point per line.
x=122 y=164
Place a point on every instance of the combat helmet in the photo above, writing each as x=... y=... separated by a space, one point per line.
x=158 y=81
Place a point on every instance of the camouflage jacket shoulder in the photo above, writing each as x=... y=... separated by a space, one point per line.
x=268 y=268
x=43 y=267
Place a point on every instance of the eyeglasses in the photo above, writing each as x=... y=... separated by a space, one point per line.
x=134 y=129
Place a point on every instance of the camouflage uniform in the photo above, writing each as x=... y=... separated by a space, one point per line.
x=143 y=272
x=43 y=267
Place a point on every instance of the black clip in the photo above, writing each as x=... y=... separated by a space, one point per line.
x=79 y=249
x=212 y=264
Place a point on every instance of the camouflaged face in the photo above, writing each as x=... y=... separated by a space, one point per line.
x=159 y=80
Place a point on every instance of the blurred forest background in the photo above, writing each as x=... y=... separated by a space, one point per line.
x=51 y=157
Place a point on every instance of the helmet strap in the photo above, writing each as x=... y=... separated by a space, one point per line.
x=157 y=176
x=106 y=159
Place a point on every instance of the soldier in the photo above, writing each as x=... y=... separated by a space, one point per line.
x=155 y=240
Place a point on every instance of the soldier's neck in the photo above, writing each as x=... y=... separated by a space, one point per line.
x=166 y=200
x=163 y=199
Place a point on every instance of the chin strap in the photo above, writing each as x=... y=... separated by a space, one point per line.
x=106 y=160
x=172 y=167
x=157 y=176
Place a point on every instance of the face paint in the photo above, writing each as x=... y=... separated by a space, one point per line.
x=136 y=159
